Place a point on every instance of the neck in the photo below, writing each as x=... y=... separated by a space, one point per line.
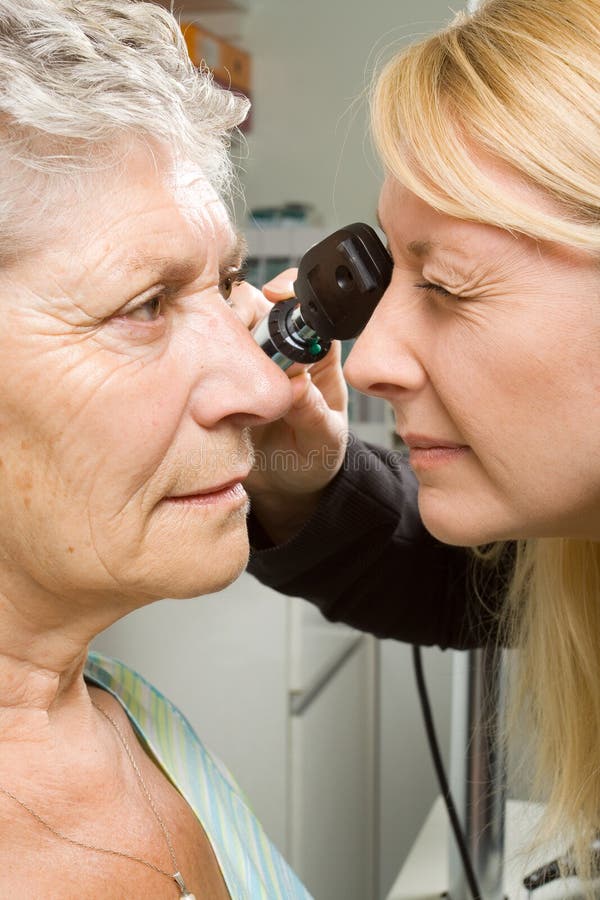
x=43 y=647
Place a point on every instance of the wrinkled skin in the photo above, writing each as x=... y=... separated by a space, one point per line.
x=503 y=357
x=108 y=405
x=121 y=387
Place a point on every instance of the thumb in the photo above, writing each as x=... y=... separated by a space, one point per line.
x=281 y=287
x=309 y=409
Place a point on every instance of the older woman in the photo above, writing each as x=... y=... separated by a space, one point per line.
x=127 y=386
x=487 y=346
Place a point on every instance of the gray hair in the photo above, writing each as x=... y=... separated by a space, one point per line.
x=80 y=76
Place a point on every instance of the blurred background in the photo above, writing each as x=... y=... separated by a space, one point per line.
x=319 y=724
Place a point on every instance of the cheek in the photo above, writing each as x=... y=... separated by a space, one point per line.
x=484 y=376
x=101 y=427
x=130 y=424
x=528 y=413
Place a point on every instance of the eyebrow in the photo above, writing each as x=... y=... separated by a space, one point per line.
x=165 y=268
x=237 y=252
x=420 y=249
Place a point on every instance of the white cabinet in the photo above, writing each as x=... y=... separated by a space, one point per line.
x=424 y=875
x=332 y=782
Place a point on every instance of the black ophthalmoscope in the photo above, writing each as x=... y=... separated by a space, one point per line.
x=340 y=282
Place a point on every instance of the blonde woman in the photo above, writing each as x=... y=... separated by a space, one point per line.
x=487 y=346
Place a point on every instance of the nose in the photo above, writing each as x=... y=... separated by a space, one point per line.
x=235 y=379
x=384 y=360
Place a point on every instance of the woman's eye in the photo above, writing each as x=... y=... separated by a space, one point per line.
x=149 y=311
x=436 y=289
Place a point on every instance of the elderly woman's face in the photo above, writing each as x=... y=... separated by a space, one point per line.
x=127 y=385
x=487 y=345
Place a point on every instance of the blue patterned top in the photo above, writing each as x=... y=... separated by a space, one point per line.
x=252 y=867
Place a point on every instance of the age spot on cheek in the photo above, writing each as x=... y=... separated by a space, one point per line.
x=24 y=484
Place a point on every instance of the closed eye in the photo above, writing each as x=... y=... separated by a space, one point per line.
x=436 y=288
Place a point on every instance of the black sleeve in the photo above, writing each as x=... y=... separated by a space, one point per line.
x=365 y=559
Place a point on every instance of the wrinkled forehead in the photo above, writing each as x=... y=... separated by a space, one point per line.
x=157 y=174
x=196 y=200
x=112 y=183
x=183 y=175
x=152 y=209
x=154 y=182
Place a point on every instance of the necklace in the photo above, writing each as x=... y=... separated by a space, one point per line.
x=176 y=876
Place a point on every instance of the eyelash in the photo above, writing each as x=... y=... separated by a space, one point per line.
x=232 y=276
x=227 y=281
x=436 y=288
x=157 y=298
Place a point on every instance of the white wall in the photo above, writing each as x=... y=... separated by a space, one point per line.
x=311 y=60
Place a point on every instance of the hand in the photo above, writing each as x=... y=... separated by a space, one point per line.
x=297 y=456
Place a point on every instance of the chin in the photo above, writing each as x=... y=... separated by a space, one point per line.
x=459 y=529
x=216 y=576
x=456 y=537
x=205 y=569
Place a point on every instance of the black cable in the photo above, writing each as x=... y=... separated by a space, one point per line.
x=441 y=775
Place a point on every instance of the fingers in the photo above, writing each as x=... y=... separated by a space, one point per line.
x=309 y=400
x=329 y=388
x=249 y=304
x=328 y=378
x=309 y=410
x=331 y=359
x=281 y=287
x=311 y=417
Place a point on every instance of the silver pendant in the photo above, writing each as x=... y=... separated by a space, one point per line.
x=181 y=885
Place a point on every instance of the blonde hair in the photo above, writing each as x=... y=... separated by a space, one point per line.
x=81 y=80
x=553 y=616
x=518 y=82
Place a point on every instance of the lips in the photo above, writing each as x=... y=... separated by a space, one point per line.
x=216 y=489
x=430 y=453
x=421 y=442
